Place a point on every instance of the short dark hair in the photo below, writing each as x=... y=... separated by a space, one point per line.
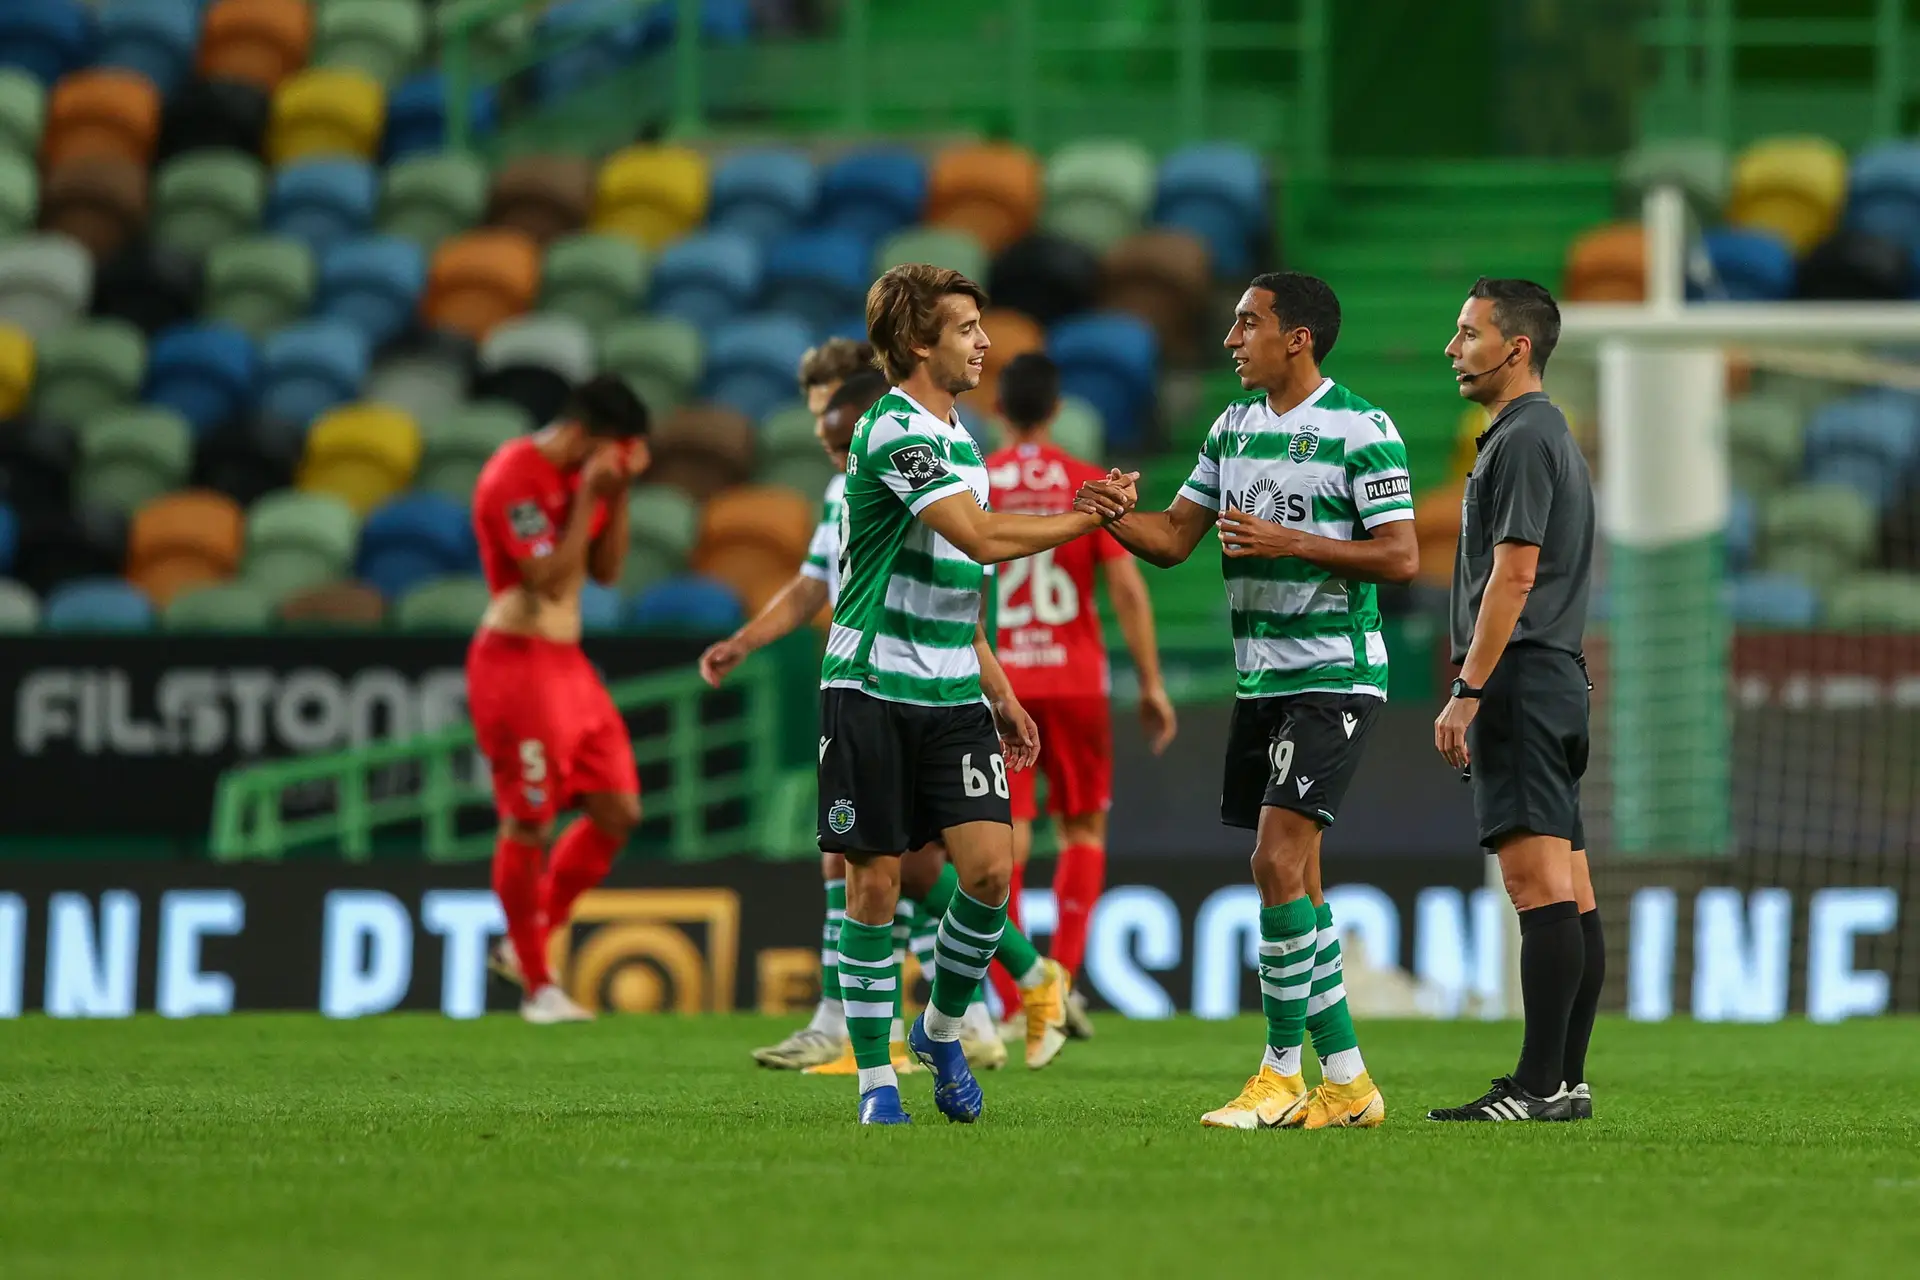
x=1521 y=307
x=834 y=360
x=860 y=390
x=606 y=406
x=1029 y=390
x=1305 y=302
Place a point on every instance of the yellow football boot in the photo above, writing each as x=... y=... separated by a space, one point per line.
x=844 y=1065
x=1345 y=1106
x=1046 y=1010
x=1270 y=1101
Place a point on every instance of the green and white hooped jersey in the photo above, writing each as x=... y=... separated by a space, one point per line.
x=823 y=551
x=1331 y=466
x=909 y=600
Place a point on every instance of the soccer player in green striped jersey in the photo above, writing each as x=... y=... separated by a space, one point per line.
x=1306 y=485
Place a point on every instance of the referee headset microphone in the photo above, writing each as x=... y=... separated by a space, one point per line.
x=1463 y=377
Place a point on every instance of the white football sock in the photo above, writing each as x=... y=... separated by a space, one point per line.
x=942 y=1026
x=873 y=1077
x=830 y=1016
x=1285 y=1061
x=1343 y=1067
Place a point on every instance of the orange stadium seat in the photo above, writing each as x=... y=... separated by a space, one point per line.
x=104 y=112
x=653 y=194
x=772 y=516
x=1792 y=186
x=326 y=111
x=990 y=189
x=352 y=606
x=99 y=200
x=184 y=539
x=257 y=42
x=1608 y=264
x=1013 y=333
x=481 y=278
x=545 y=196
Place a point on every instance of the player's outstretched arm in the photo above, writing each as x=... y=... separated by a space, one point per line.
x=1391 y=552
x=1134 y=609
x=1162 y=538
x=992 y=537
x=787 y=612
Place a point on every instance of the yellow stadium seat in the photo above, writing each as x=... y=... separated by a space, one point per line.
x=326 y=111
x=363 y=453
x=653 y=194
x=16 y=369
x=1793 y=185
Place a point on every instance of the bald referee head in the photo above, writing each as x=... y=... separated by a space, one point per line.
x=1516 y=723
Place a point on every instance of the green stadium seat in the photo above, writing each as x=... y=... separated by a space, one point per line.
x=219 y=606
x=941 y=246
x=647 y=565
x=456 y=445
x=206 y=198
x=597 y=279
x=1875 y=602
x=660 y=357
x=132 y=455
x=431 y=198
x=804 y=475
x=664 y=518
x=19 y=194
x=1098 y=193
x=260 y=284
x=444 y=604
x=1698 y=166
x=788 y=433
x=19 y=608
x=1079 y=431
x=23 y=113
x=501 y=39
x=1764 y=440
x=87 y=369
x=383 y=38
x=297 y=540
x=1821 y=532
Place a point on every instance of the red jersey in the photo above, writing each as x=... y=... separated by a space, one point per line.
x=521 y=505
x=1049 y=629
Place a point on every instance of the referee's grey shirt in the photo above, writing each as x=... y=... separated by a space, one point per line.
x=1530 y=484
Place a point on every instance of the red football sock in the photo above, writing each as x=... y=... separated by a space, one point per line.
x=516 y=879
x=1003 y=984
x=1076 y=887
x=582 y=856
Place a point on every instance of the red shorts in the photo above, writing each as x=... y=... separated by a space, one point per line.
x=545 y=723
x=1076 y=754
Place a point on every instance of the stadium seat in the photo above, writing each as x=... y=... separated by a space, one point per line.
x=19 y=608
x=805 y=475
x=1869 y=441
x=778 y=519
x=479 y=279
x=1098 y=193
x=1743 y=530
x=432 y=197
x=660 y=357
x=1750 y=266
x=382 y=38
x=1817 y=532
x=556 y=342
x=1875 y=602
x=87 y=369
x=1161 y=276
x=326 y=111
x=207 y=198
x=1856 y=266
x=256 y=42
x=755 y=572
x=101 y=114
x=1013 y=334
x=752 y=361
x=153 y=37
x=414 y=539
x=1792 y=185
x=309 y=368
x=99 y=201
x=457 y=444
x=417 y=116
x=990 y=190
x=600 y=608
x=9 y=537
x=702 y=449
x=296 y=541
x=209 y=373
x=1077 y=429
x=259 y=284
x=1218 y=192
x=1046 y=277
x=425 y=373
x=184 y=539
x=334 y=606
x=873 y=192
x=97 y=604
x=373 y=283
x=149 y=286
x=544 y=196
x=788 y=432
x=60 y=545
x=818 y=276
x=19 y=195
x=653 y=194
x=594 y=278
x=535 y=388
x=45 y=281
x=246 y=459
x=1608 y=264
x=504 y=37
x=764 y=194
x=23 y=113
x=951 y=247
x=662 y=520
x=322 y=200
x=707 y=278
x=455 y=603
x=219 y=606
x=46 y=39
x=365 y=453
x=129 y=457
x=1883 y=193
x=687 y=605
x=17 y=369
x=586 y=42
x=1778 y=601
x=1111 y=360
x=1698 y=166
x=213 y=115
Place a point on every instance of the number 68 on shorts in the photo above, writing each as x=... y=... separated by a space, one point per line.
x=894 y=775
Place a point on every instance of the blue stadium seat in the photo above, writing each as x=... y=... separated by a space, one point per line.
x=600 y=607
x=9 y=537
x=308 y=368
x=417 y=116
x=1743 y=530
x=413 y=539
x=206 y=372
x=818 y=275
x=605 y=35
x=764 y=193
x=1868 y=442
x=751 y=362
x=373 y=282
x=1883 y=193
x=1750 y=265
x=322 y=201
x=687 y=604
x=46 y=38
x=97 y=604
x=1218 y=192
x=874 y=192
x=1772 y=600
x=157 y=38
x=1110 y=359
x=706 y=278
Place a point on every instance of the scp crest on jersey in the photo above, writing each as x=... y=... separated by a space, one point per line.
x=918 y=465
x=1303 y=445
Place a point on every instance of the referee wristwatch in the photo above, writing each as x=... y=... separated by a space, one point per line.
x=1461 y=689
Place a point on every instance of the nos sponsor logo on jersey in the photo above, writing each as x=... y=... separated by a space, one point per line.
x=1263 y=500
x=1303 y=445
x=840 y=817
x=918 y=465
x=1390 y=487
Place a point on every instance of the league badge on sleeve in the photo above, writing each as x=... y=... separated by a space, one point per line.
x=918 y=465
x=527 y=520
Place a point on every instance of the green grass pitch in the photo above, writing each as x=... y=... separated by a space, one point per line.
x=651 y=1148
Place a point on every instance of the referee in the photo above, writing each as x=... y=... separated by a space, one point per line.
x=1516 y=725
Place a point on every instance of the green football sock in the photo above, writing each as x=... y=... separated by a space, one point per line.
x=926 y=927
x=869 y=980
x=1328 y=1021
x=830 y=941
x=969 y=933
x=1016 y=952
x=1286 y=971
x=906 y=917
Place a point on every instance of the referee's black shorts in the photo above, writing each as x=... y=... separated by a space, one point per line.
x=1528 y=747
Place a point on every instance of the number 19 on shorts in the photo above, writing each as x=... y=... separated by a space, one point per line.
x=976 y=782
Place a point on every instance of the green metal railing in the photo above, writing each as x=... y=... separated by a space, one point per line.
x=724 y=789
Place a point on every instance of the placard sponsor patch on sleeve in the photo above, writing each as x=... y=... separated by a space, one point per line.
x=1388 y=487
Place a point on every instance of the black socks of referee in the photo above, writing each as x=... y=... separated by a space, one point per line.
x=1586 y=1001
x=1552 y=962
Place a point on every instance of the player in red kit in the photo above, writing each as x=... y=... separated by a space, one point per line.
x=1051 y=647
x=549 y=509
